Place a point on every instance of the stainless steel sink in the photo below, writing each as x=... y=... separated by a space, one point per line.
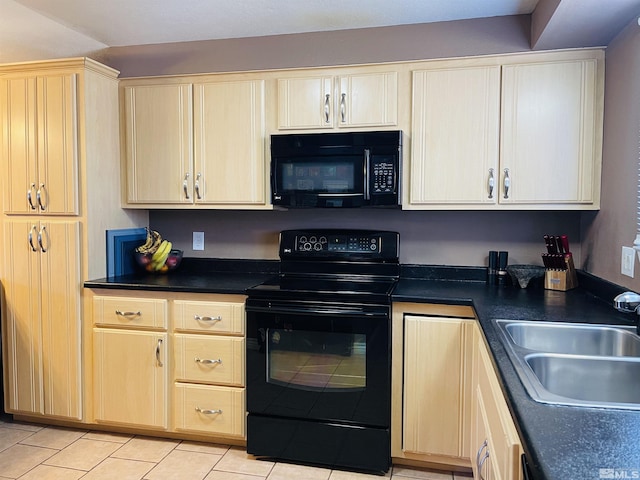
x=575 y=364
x=582 y=380
x=575 y=339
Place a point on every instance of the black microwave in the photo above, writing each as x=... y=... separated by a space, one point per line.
x=353 y=169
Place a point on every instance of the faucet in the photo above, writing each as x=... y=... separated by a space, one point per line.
x=628 y=302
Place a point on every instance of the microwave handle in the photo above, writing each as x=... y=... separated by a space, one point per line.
x=367 y=170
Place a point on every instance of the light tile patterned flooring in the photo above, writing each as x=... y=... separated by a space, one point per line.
x=39 y=452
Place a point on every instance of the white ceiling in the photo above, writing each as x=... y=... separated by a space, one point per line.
x=75 y=27
x=43 y=29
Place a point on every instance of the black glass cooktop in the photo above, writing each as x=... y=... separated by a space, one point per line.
x=304 y=288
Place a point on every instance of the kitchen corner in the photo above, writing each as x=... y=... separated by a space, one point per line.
x=554 y=446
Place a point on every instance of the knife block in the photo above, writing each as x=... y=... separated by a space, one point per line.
x=561 y=279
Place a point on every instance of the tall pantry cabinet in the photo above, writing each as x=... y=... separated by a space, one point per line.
x=59 y=155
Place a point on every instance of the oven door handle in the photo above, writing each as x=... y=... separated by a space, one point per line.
x=321 y=311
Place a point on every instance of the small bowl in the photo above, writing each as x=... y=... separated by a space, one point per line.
x=144 y=261
x=523 y=274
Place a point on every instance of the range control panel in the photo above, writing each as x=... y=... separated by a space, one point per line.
x=338 y=243
x=343 y=244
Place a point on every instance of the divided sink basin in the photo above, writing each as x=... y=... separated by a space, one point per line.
x=575 y=364
x=575 y=339
x=588 y=379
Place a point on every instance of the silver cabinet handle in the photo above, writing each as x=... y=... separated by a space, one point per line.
x=207 y=361
x=33 y=229
x=43 y=234
x=197 y=186
x=208 y=412
x=32 y=187
x=343 y=107
x=492 y=183
x=507 y=183
x=481 y=464
x=482 y=447
x=120 y=313
x=207 y=319
x=41 y=191
x=327 y=107
x=185 y=186
x=158 y=345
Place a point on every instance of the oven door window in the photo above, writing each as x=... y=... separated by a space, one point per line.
x=316 y=361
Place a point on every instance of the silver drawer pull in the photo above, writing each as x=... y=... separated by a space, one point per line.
x=207 y=319
x=128 y=314
x=207 y=361
x=208 y=412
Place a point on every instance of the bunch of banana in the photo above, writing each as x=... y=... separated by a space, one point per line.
x=160 y=256
x=152 y=243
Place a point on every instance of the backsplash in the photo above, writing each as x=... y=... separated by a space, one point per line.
x=426 y=237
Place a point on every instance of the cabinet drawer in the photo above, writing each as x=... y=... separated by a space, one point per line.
x=215 y=317
x=130 y=312
x=209 y=359
x=210 y=409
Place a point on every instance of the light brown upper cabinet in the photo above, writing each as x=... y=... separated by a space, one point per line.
x=195 y=142
x=326 y=101
x=40 y=118
x=507 y=132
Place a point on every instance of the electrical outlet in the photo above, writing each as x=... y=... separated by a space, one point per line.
x=198 y=240
x=628 y=261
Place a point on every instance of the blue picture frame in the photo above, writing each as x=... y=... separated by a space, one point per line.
x=121 y=244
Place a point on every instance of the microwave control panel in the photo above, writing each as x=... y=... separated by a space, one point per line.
x=384 y=175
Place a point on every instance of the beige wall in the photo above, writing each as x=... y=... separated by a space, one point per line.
x=345 y=47
x=615 y=225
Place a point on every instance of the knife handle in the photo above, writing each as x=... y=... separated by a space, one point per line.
x=547 y=242
x=564 y=240
x=559 y=244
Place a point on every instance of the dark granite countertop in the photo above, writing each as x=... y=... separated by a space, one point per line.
x=561 y=442
x=197 y=276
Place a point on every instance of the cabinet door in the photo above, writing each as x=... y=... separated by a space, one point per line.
x=40 y=144
x=57 y=184
x=130 y=377
x=494 y=417
x=22 y=332
x=43 y=317
x=455 y=136
x=549 y=132
x=433 y=384
x=158 y=140
x=229 y=143
x=305 y=102
x=368 y=100
x=61 y=318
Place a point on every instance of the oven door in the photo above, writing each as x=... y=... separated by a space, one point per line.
x=319 y=362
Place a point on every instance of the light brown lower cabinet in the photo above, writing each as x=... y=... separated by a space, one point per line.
x=130 y=377
x=169 y=361
x=496 y=445
x=448 y=409
x=431 y=377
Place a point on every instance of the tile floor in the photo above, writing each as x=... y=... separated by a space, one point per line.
x=38 y=452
